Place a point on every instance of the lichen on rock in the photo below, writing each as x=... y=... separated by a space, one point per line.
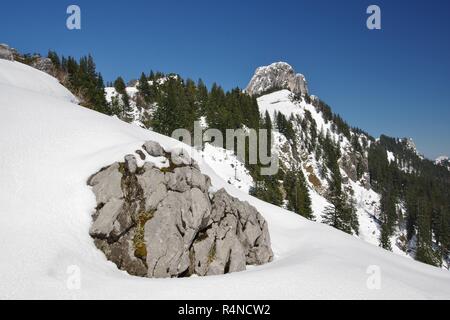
x=164 y=222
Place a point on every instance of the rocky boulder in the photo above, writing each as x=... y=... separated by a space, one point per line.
x=164 y=222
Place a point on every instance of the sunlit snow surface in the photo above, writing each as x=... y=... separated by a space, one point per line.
x=49 y=148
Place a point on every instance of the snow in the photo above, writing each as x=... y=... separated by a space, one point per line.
x=441 y=159
x=390 y=157
x=279 y=101
x=226 y=165
x=367 y=209
x=318 y=204
x=15 y=74
x=49 y=148
x=136 y=113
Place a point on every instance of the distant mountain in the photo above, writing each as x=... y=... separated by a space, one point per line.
x=386 y=180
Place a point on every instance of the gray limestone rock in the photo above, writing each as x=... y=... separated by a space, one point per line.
x=106 y=184
x=44 y=65
x=163 y=223
x=154 y=149
x=277 y=76
x=130 y=163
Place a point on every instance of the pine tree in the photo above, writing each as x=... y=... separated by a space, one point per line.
x=341 y=214
x=385 y=242
x=268 y=126
x=268 y=189
x=202 y=97
x=173 y=111
x=53 y=56
x=119 y=85
x=116 y=106
x=424 y=251
x=127 y=110
x=297 y=194
x=351 y=215
x=145 y=91
x=151 y=76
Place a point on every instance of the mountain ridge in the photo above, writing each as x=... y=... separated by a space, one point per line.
x=334 y=164
x=68 y=143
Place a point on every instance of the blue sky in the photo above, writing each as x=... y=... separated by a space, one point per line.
x=394 y=81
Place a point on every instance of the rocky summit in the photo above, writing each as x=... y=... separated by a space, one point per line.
x=277 y=76
x=161 y=220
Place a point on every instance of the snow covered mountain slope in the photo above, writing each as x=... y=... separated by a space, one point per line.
x=367 y=200
x=304 y=151
x=48 y=149
x=18 y=75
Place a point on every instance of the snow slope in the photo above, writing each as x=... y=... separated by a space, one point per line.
x=50 y=146
x=18 y=75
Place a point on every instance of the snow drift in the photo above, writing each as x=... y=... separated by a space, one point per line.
x=50 y=146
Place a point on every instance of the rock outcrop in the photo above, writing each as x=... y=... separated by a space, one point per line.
x=6 y=52
x=277 y=76
x=163 y=222
x=44 y=65
x=35 y=61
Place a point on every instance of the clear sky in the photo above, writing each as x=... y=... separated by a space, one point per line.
x=394 y=81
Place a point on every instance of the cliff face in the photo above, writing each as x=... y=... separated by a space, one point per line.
x=278 y=75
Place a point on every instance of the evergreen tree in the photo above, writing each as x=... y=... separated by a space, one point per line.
x=145 y=91
x=268 y=189
x=341 y=214
x=297 y=194
x=268 y=126
x=53 y=56
x=385 y=242
x=388 y=217
x=202 y=97
x=127 y=110
x=119 y=85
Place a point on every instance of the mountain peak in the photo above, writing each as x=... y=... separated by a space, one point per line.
x=278 y=75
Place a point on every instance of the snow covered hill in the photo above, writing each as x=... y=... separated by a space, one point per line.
x=49 y=146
